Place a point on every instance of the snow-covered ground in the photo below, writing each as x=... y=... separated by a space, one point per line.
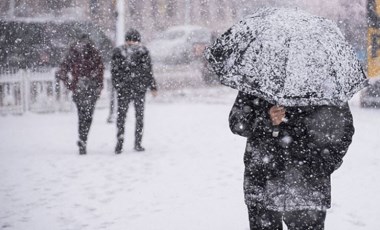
x=189 y=178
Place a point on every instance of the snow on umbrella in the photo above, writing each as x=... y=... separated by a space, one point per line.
x=287 y=57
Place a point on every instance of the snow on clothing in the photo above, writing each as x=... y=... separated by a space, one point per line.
x=85 y=64
x=131 y=69
x=132 y=75
x=292 y=171
x=288 y=57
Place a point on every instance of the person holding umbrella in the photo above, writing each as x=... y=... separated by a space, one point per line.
x=295 y=73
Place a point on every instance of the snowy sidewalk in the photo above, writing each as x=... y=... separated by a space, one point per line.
x=189 y=178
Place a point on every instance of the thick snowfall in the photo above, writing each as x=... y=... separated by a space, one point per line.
x=189 y=178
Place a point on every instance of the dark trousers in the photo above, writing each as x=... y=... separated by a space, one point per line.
x=123 y=101
x=263 y=219
x=85 y=102
x=112 y=102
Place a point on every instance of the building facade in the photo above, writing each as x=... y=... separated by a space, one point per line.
x=149 y=16
x=152 y=16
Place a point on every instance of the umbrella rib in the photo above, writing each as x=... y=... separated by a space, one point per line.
x=287 y=45
x=243 y=52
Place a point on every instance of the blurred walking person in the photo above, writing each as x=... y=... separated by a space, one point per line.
x=132 y=75
x=85 y=64
x=295 y=74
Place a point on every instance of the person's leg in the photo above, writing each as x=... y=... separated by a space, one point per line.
x=90 y=108
x=112 y=105
x=139 y=103
x=81 y=127
x=305 y=220
x=122 y=109
x=85 y=105
x=89 y=111
x=264 y=219
x=83 y=123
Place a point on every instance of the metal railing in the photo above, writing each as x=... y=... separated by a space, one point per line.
x=36 y=91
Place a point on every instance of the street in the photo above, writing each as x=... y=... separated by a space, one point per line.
x=190 y=177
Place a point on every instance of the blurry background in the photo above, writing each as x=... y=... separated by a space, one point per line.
x=34 y=36
x=152 y=16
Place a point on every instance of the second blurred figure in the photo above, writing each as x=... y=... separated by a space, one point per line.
x=132 y=75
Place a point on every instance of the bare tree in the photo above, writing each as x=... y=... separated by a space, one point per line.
x=171 y=8
x=135 y=11
x=94 y=8
x=5 y=7
x=353 y=22
x=57 y=5
x=154 y=13
x=205 y=11
x=221 y=13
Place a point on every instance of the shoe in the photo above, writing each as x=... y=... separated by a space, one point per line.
x=119 y=147
x=82 y=147
x=139 y=148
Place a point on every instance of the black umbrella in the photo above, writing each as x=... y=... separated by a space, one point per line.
x=289 y=58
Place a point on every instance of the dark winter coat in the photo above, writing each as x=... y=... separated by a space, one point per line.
x=291 y=171
x=85 y=64
x=131 y=69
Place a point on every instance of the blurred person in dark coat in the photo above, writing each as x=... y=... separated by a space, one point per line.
x=287 y=174
x=132 y=76
x=85 y=64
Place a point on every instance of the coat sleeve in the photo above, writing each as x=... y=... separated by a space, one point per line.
x=147 y=70
x=99 y=69
x=331 y=135
x=116 y=68
x=64 y=68
x=249 y=116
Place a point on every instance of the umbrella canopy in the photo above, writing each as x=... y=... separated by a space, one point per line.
x=287 y=57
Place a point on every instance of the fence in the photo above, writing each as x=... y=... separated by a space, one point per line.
x=36 y=91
